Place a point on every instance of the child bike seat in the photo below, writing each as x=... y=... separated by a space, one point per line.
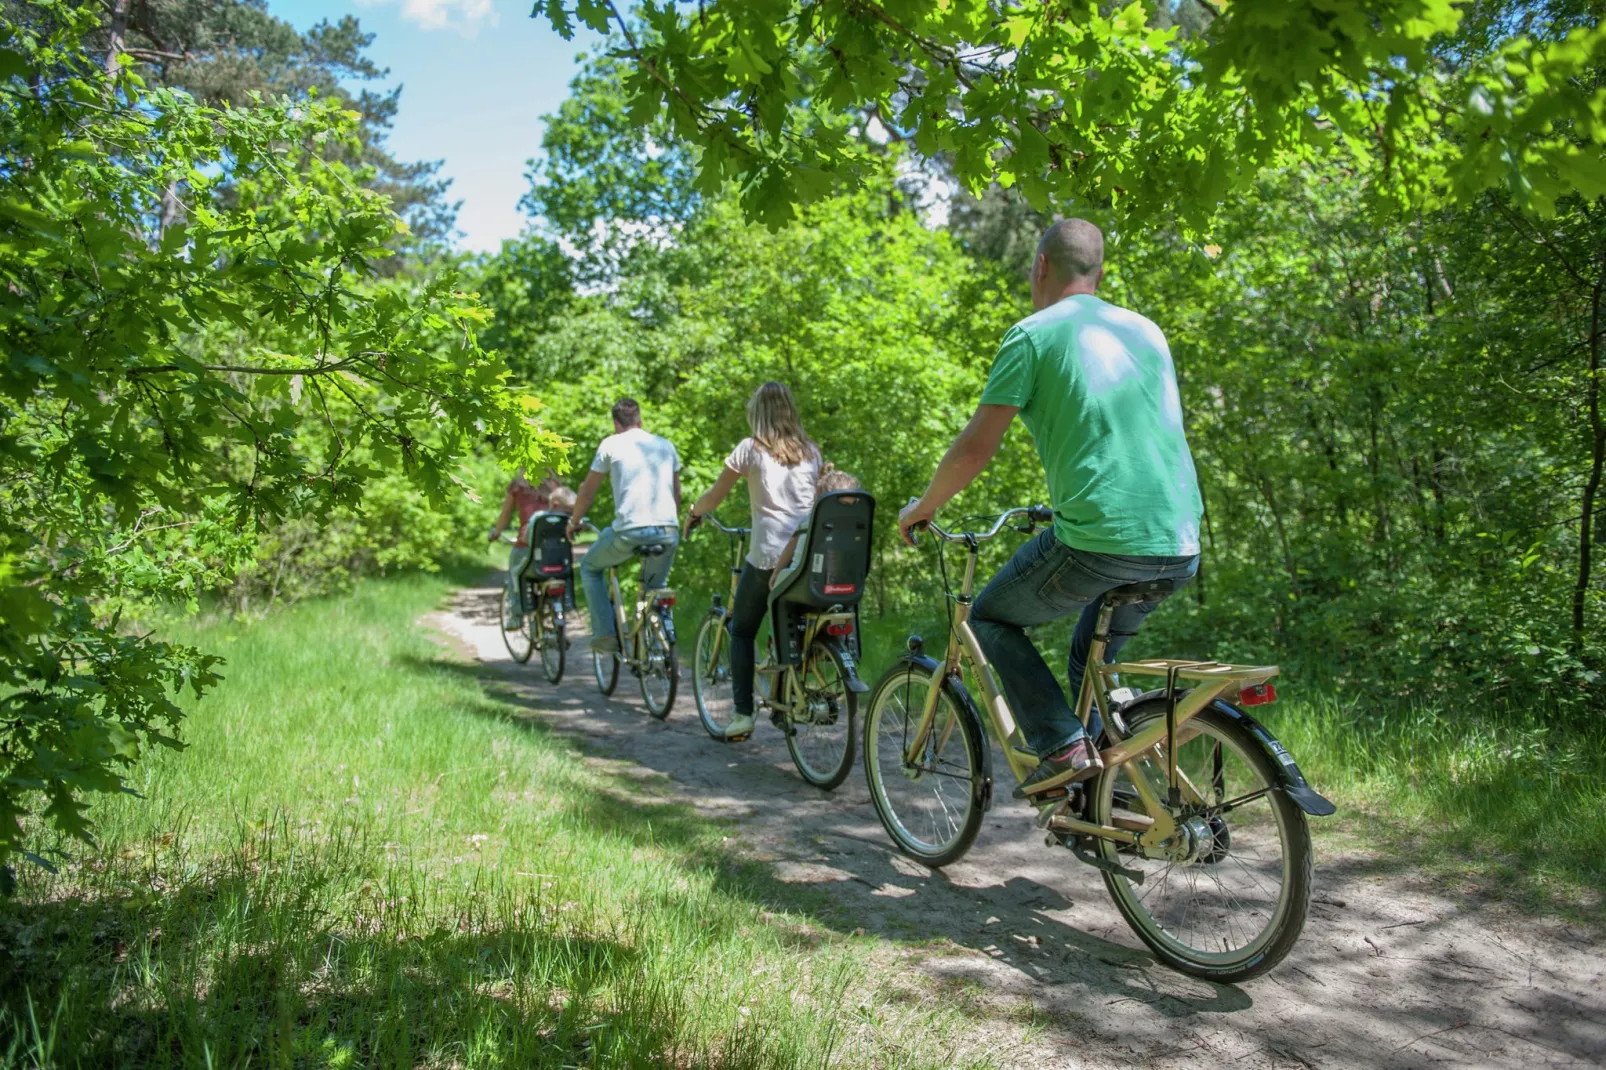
x=829 y=569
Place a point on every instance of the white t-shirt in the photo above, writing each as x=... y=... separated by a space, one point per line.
x=642 y=468
x=781 y=498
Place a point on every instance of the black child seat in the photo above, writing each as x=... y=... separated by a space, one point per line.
x=551 y=554
x=833 y=556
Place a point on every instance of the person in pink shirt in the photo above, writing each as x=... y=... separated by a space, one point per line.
x=526 y=499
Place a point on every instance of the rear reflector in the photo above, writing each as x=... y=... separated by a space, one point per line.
x=839 y=627
x=664 y=600
x=556 y=588
x=1257 y=696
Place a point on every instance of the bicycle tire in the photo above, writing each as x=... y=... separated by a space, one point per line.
x=605 y=671
x=900 y=688
x=521 y=650
x=834 y=770
x=653 y=636
x=554 y=641
x=711 y=687
x=1293 y=833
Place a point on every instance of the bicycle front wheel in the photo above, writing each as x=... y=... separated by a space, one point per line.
x=1227 y=900
x=605 y=670
x=554 y=643
x=518 y=641
x=821 y=736
x=660 y=667
x=711 y=685
x=931 y=806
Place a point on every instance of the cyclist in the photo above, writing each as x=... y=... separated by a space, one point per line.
x=1095 y=385
x=526 y=499
x=644 y=471
x=781 y=465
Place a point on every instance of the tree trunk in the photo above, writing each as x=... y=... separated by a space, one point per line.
x=119 y=31
x=1597 y=460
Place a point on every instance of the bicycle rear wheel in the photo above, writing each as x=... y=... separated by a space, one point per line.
x=932 y=807
x=711 y=685
x=518 y=641
x=821 y=737
x=1228 y=902
x=660 y=668
x=554 y=643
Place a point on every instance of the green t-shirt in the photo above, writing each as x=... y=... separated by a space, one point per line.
x=1097 y=389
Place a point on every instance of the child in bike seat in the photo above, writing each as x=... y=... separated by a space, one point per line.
x=831 y=479
x=551 y=554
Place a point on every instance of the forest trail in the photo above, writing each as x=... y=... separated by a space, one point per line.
x=1390 y=972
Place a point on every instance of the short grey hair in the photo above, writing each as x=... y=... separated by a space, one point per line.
x=1074 y=249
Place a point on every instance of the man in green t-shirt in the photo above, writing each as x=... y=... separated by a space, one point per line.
x=1095 y=385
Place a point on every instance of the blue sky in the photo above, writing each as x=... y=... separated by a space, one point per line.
x=477 y=77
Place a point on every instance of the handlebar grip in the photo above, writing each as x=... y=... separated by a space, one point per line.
x=1041 y=514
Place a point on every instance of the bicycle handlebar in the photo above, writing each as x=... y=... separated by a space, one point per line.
x=1036 y=514
x=714 y=520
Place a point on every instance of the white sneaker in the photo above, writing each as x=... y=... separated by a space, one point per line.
x=740 y=728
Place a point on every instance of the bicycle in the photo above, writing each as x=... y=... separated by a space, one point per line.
x=1197 y=805
x=542 y=626
x=814 y=703
x=646 y=641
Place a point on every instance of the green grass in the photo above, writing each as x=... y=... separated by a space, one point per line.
x=364 y=860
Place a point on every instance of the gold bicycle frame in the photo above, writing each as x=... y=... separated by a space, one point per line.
x=631 y=655
x=788 y=695
x=1210 y=679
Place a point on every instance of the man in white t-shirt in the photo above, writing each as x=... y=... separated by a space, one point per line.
x=644 y=470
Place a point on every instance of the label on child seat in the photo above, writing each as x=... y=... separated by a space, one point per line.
x=819 y=563
x=839 y=588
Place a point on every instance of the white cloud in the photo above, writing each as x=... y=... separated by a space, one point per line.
x=464 y=16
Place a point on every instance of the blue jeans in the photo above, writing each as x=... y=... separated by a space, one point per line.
x=1044 y=581
x=614 y=548
x=517 y=558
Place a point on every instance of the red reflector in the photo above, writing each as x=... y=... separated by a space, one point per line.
x=841 y=627
x=664 y=600
x=840 y=588
x=1257 y=696
x=556 y=588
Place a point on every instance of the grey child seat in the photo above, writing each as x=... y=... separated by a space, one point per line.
x=829 y=569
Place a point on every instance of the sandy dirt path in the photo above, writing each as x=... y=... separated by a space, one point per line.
x=1389 y=972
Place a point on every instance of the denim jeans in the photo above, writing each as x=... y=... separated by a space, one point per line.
x=517 y=558
x=748 y=608
x=614 y=548
x=1045 y=581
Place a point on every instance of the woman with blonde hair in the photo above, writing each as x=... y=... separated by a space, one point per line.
x=781 y=465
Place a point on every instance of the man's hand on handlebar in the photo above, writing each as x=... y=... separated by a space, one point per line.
x=914 y=517
x=693 y=521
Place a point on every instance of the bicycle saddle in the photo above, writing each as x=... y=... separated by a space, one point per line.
x=650 y=551
x=1138 y=593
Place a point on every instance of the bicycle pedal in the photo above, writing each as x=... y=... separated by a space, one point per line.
x=738 y=739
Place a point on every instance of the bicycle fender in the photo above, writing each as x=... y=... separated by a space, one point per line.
x=982 y=790
x=1292 y=781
